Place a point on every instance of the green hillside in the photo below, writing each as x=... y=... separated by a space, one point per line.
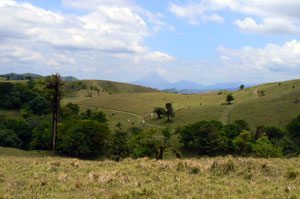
x=82 y=88
x=267 y=104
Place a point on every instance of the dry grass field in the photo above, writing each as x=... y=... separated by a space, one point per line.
x=36 y=175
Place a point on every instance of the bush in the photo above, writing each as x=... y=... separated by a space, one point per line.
x=294 y=128
x=42 y=137
x=38 y=106
x=22 y=130
x=8 y=138
x=83 y=138
x=144 y=144
x=243 y=143
x=118 y=145
x=200 y=136
x=263 y=147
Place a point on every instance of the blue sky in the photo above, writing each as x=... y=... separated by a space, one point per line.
x=205 y=41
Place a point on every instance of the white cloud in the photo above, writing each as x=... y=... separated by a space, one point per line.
x=279 y=17
x=195 y=11
x=110 y=33
x=271 y=58
x=269 y=26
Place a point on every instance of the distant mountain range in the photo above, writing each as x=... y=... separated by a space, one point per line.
x=153 y=80
x=15 y=76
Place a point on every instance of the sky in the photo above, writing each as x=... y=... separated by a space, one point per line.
x=204 y=41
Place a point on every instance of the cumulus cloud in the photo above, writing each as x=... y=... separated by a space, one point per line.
x=194 y=12
x=109 y=32
x=268 y=26
x=271 y=58
x=278 y=16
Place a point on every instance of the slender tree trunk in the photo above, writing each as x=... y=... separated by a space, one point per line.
x=161 y=153
x=54 y=132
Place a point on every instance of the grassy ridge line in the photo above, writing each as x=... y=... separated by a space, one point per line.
x=125 y=112
x=220 y=177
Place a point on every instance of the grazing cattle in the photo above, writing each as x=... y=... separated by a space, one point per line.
x=128 y=121
x=151 y=115
x=143 y=122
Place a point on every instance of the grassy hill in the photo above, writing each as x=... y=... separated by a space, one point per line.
x=81 y=88
x=269 y=104
x=36 y=175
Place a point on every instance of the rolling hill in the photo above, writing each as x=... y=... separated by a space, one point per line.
x=266 y=104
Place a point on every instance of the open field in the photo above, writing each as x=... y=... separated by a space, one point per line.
x=36 y=175
x=267 y=104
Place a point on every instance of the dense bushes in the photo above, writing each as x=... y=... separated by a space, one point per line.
x=82 y=138
x=8 y=138
x=16 y=96
x=213 y=138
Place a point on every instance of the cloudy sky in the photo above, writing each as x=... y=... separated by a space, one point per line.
x=205 y=41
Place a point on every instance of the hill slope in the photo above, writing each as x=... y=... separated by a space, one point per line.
x=83 y=87
x=269 y=104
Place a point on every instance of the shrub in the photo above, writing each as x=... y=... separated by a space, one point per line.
x=144 y=144
x=8 y=138
x=200 y=136
x=37 y=106
x=83 y=138
x=243 y=143
x=263 y=147
x=118 y=145
x=42 y=137
x=294 y=128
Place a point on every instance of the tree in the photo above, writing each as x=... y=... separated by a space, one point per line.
x=294 y=129
x=229 y=98
x=263 y=147
x=97 y=89
x=144 y=144
x=243 y=143
x=83 y=138
x=169 y=111
x=242 y=87
x=53 y=91
x=159 y=111
x=8 y=138
x=200 y=136
x=164 y=143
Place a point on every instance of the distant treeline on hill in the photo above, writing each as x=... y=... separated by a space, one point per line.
x=15 y=76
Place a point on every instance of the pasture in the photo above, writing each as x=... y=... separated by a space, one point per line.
x=269 y=104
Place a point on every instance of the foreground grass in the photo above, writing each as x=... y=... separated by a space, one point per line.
x=222 y=177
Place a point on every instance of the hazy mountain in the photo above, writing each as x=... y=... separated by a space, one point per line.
x=153 y=80
x=69 y=79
